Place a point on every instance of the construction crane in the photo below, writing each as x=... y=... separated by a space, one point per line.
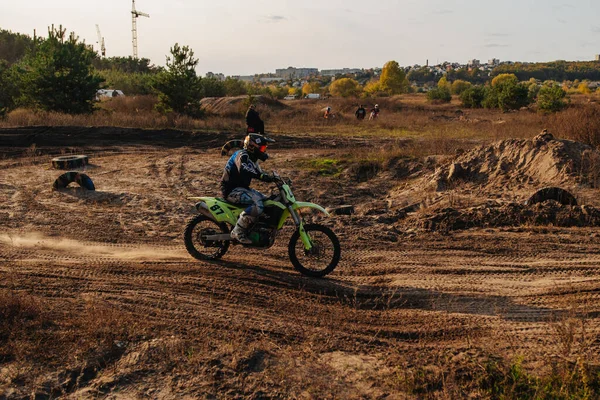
x=101 y=42
x=134 y=15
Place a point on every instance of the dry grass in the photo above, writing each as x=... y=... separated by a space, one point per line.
x=580 y=122
x=235 y=360
x=407 y=116
x=39 y=336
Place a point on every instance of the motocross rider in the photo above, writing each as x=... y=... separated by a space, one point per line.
x=241 y=168
x=374 y=112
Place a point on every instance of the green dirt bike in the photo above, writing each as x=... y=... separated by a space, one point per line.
x=313 y=249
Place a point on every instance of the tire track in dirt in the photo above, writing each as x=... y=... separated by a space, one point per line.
x=478 y=282
x=174 y=290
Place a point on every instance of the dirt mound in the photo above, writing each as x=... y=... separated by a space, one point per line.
x=520 y=163
x=237 y=105
x=494 y=215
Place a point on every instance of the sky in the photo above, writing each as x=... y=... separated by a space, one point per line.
x=244 y=37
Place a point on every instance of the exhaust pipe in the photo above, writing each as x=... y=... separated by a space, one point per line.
x=203 y=209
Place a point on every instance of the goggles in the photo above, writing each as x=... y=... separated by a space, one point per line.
x=262 y=148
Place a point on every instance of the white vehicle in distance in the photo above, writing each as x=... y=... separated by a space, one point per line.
x=108 y=93
x=290 y=97
x=312 y=96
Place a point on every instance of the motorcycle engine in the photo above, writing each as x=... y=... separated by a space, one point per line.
x=262 y=235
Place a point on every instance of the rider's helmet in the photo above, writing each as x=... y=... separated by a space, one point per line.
x=328 y=108
x=256 y=146
x=376 y=105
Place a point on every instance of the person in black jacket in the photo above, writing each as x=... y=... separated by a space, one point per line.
x=253 y=121
x=241 y=168
x=361 y=113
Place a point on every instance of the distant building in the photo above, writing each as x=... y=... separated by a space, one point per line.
x=291 y=72
x=597 y=57
x=342 y=71
x=244 y=78
x=267 y=80
x=473 y=63
x=220 y=77
x=494 y=62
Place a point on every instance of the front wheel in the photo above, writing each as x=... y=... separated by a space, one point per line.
x=324 y=255
x=195 y=238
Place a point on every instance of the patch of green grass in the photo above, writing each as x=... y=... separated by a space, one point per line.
x=494 y=377
x=325 y=166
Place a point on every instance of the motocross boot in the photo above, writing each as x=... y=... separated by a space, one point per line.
x=240 y=231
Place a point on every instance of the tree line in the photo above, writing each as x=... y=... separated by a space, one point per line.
x=504 y=92
x=62 y=73
x=558 y=71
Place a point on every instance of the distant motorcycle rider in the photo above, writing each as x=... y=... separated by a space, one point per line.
x=374 y=112
x=253 y=121
x=241 y=168
x=360 y=113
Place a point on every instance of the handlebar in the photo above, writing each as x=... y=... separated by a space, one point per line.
x=279 y=180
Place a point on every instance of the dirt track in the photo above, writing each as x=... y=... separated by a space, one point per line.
x=394 y=294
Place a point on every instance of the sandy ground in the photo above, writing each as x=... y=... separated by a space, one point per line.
x=396 y=293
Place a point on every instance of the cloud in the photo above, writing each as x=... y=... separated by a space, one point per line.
x=274 y=18
x=494 y=45
x=562 y=21
x=563 y=6
x=498 y=34
x=596 y=29
x=414 y=21
x=443 y=12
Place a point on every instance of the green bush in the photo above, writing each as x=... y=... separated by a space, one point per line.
x=9 y=90
x=59 y=75
x=459 y=86
x=131 y=83
x=439 y=94
x=513 y=97
x=473 y=97
x=506 y=94
x=235 y=87
x=551 y=98
x=533 y=88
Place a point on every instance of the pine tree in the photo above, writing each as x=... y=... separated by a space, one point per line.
x=59 y=76
x=180 y=89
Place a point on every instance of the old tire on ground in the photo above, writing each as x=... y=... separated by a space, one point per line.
x=553 y=193
x=194 y=244
x=70 y=162
x=69 y=177
x=315 y=263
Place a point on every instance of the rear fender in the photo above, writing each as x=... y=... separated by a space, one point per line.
x=217 y=209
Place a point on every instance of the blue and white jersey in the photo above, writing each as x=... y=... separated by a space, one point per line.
x=239 y=171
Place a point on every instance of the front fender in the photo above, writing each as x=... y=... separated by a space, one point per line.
x=302 y=204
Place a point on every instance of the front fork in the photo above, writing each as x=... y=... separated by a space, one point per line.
x=300 y=225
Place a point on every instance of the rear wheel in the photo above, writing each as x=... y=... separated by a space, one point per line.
x=195 y=238
x=324 y=255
